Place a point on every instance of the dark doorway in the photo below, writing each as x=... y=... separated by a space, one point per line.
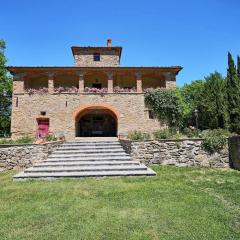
x=97 y=124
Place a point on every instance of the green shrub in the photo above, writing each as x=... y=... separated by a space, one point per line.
x=50 y=138
x=138 y=135
x=190 y=133
x=22 y=140
x=162 y=134
x=215 y=140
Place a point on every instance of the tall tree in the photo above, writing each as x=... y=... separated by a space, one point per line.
x=238 y=67
x=5 y=94
x=213 y=105
x=233 y=95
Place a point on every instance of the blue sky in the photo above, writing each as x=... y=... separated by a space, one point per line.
x=194 y=34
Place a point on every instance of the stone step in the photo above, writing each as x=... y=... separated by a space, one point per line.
x=86 y=163
x=104 y=158
x=54 y=155
x=104 y=150
x=92 y=143
x=23 y=175
x=54 y=169
x=95 y=139
x=88 y=147
x=86 y=159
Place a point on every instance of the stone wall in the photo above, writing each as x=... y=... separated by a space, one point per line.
x=108 y=58
x=24 y=155
x=60 y=109
x=175 y=152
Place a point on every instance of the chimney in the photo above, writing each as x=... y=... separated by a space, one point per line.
x=109 y=42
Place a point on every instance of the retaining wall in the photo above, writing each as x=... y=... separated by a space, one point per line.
x=24 y=155
x=184 y=152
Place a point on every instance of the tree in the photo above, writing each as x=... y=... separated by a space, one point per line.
x=208 y=96
x=5 y=94
x=238 y=67
x=233 y=95
x=213 y=106
x=191 y=97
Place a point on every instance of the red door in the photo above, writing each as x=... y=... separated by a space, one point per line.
x=43 y=128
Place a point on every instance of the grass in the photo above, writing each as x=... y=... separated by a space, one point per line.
x=180 y=203
x=22 y=140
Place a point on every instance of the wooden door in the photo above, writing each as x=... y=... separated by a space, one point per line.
x=43 y=128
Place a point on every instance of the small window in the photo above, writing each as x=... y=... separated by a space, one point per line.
x=151 y=114
x=96 y=57
x=43 y=113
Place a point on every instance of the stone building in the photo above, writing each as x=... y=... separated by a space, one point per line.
x=96 y=97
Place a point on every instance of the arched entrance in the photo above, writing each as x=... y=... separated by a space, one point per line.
x=96 y=121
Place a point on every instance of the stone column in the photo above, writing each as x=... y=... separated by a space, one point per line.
x=81 y=82
x=110 y=82
x=139 y=82
x=51 y=82
x=18 y=83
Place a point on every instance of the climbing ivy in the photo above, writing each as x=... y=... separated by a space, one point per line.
x=166 y=105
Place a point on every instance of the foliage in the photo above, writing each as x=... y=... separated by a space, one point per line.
x=215 y=140
x=162 y=134
x=5 y=94
x=166 y=105
x=233 y=94
x=138 y=135
x=22 y=140
x=213 y=107
x=190 y=132
x=50 y=138
x=190 y=96
x=179 y=203
x=209 y=97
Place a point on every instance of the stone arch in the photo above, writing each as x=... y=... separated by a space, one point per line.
x=101 y=111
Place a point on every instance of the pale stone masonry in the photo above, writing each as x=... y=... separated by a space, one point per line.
x=96 y=97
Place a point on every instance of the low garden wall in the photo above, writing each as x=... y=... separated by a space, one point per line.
x=24 y=155
x=184 y=152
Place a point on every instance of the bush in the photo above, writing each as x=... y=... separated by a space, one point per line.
x=22 y=140
x=162 y=134
x=215 y=140
x=50 y=138
x=138 y=135
x=190 y=133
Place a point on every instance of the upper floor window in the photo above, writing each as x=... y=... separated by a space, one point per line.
x=96 y=57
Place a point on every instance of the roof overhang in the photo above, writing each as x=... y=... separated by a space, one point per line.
x=26 y=69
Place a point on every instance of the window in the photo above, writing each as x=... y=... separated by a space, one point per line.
x=43 y=113
x=151 y=114
x=96 y=57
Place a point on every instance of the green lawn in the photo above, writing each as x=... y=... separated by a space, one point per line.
x=180 y=203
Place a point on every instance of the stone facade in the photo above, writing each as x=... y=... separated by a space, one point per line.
x=24 y=155
x=175 y=152
x=121 y=93
x=130 y=108
x=108 y=58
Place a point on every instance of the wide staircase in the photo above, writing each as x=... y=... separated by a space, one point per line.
x=86 y=159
